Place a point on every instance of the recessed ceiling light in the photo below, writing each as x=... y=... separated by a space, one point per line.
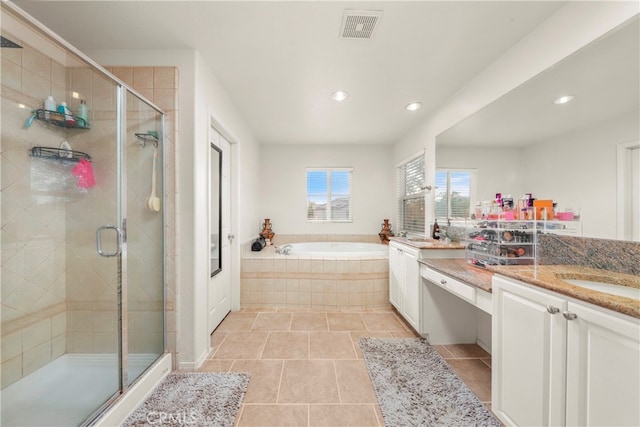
x=564 y=99
x=414 y=106
x=339 y=95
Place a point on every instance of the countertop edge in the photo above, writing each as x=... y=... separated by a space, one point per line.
x=427 y=243
x=460 y=269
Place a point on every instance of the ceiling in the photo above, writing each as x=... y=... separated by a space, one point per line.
x=604 y=77
x=280 y=61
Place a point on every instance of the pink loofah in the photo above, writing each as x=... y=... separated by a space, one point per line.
x=84 y=172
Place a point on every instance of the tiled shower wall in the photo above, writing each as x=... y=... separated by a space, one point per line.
x=34 y=308
x=57 y=295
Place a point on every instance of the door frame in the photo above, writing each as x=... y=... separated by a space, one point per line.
x=623 y=188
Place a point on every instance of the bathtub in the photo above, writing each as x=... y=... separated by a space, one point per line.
x=317 y=275
x=339 y=249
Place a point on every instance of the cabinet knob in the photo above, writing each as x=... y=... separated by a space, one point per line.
x=443 y=282
x=553 y=310
x=569 y=315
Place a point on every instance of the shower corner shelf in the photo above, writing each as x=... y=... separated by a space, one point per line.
x=59 y=154
x=58 y=119
x=147 y=137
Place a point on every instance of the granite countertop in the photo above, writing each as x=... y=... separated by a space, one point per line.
x=424 y=243
x=551 y=277
x=548 y=277
x=460 y=269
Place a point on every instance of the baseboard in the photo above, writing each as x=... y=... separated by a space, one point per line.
x=192 y=366
x=484 y=346
x=129 y=401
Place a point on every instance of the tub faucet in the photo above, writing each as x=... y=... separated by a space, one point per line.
x=284 y=250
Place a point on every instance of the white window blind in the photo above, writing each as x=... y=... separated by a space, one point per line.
x=455 y=193
x=329 y=194
x=410 y=195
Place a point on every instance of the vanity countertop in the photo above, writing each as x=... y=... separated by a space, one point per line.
x=424 y=243
x=551 y=277
x=548 y=277
x=460 y=269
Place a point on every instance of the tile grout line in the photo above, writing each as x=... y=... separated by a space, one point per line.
x=335 y=374
x=280 y=382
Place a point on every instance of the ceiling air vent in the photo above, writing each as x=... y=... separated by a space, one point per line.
x=359 y=24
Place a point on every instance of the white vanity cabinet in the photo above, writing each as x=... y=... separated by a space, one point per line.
x=558 y=361
x=404 y=282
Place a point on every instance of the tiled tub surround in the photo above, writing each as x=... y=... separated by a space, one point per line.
x=51 y=303
x=269 y=279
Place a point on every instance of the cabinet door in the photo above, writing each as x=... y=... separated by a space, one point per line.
x=603 y=368
x=529 y=354
x=395 y=277
x=411 y=306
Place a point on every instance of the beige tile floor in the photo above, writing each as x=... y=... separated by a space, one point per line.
x=307 y=369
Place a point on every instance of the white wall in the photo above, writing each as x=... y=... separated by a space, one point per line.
x=199 y=91
x=499 y=169
x=578 y=170
x=574 y=25
x=283 y=187
x=211 y=98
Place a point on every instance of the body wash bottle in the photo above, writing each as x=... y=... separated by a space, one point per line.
x=83 y=114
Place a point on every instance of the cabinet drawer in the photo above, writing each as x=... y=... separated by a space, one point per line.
x=483 y=300
x=454 y=286
x=465 y=291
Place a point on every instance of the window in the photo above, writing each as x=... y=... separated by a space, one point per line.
x=455 y=192
x=410 y=194
x=329 y=195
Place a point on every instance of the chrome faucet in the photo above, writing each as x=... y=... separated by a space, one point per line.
x=443 y=234
x=403 y=234
x=284 y=250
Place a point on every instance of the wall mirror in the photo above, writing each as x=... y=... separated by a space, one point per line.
x=215 y=224
x=571 y=153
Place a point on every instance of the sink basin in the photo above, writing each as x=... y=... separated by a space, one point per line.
x=608 y=288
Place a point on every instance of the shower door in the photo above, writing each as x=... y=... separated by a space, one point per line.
x=61 y=244
x=143 y=291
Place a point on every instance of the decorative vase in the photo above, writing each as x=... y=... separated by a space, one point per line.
x=386 y=232
x=267 y=233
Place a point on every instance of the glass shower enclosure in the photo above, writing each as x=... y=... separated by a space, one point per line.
x=82 y=231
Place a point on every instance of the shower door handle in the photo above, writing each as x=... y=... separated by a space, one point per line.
x=99 y=241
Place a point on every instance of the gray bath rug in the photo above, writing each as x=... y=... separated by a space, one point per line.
x=416 y=387
x=196 y=399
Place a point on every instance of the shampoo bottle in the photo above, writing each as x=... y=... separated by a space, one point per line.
x=49 y=105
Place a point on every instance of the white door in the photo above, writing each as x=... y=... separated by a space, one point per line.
x=219 y=291
x=603 y=368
